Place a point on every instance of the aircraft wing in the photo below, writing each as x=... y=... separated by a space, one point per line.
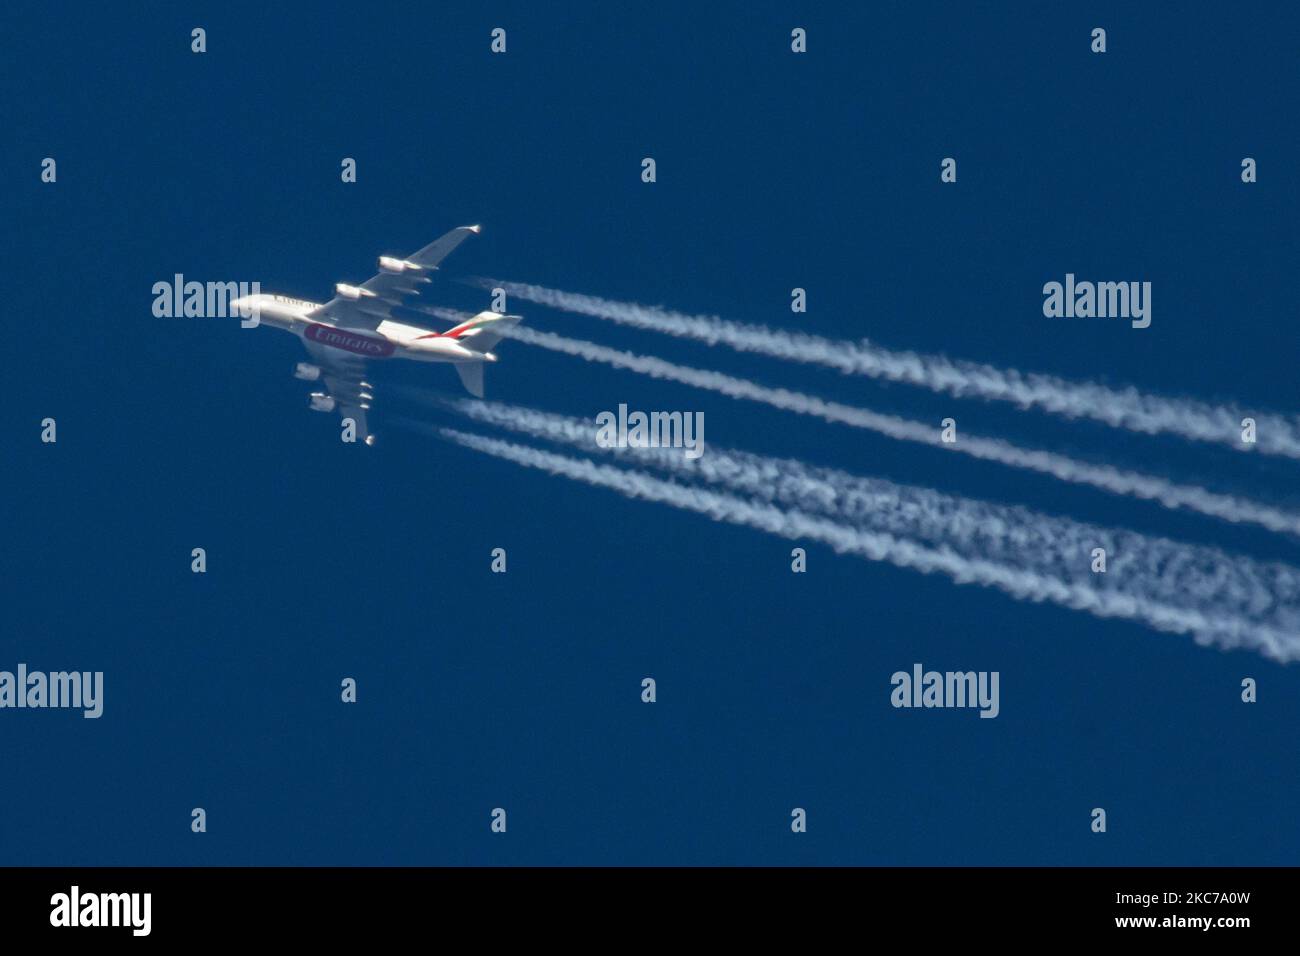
x=344 y=378
x=375 y=299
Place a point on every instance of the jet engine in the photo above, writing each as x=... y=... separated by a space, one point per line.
x=307 y=372
x=397 y=266
x=320 y=402
x=352 y=292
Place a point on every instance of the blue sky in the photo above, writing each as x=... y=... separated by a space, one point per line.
x=522 y=690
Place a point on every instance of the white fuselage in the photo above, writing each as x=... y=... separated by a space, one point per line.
x=389 y=340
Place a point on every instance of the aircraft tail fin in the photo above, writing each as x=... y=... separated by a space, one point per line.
x=479 y=334
x=471 y=376
x=483 y=331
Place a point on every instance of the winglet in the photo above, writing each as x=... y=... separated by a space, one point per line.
x=431 y=255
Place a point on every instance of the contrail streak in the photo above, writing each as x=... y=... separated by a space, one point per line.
x=1145 y=567
x=1208 y=625
x=1108 y=478
x=1125 y=408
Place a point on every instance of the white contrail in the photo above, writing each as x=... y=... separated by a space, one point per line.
x=1208 y=626
x=1106 y=477
x=1118 y=407
x=455 y=316
x=1144 y=567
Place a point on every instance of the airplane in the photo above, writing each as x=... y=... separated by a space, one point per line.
x=357 y=325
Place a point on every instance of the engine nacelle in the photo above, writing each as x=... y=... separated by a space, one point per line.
x=307 y=372
x=320 y=402
x=397 y=266
x=351 y=291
